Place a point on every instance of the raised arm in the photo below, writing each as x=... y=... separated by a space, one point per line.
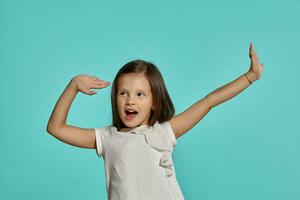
x=76 y=136
x=186 y=120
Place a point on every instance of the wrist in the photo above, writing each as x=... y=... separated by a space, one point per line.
x=73 y=86
x=250 y=76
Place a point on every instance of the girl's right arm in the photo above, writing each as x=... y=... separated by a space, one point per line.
x=76 y=136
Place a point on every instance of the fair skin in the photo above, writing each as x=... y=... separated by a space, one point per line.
x=186 y=120
x=76 y=136
x=134 y=92
x=181 y=123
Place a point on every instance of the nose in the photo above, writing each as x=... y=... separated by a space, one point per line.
x=130 y=100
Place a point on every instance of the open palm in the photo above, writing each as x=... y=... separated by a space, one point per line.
x=255 y=67
x=84 y=83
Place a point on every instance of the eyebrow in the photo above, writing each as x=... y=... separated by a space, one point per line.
x=121 y=89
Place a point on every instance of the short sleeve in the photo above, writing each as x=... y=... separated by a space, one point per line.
x=99 y=144
x=170 y=132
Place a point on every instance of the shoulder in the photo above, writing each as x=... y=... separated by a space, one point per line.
x=103 y=128
x=102 y=136
x=166 y=128
x=104 y=131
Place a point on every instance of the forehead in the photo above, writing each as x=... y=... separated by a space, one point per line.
x=133 y=81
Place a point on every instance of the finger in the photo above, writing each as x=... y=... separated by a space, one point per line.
x=92 y=92
x=99 y=83
x=104 y=85
x=95 y=78
x=253 y=55
x=251 y=47
x=99 y=86
x=87 y=91
x=251 y=51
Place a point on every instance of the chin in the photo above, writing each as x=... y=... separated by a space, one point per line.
x=132 y=123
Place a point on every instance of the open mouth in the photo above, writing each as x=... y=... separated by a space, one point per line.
x=130 y=114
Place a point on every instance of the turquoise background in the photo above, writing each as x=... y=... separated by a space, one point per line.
x=246 y=148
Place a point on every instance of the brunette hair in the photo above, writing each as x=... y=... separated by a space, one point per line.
x=163 y=106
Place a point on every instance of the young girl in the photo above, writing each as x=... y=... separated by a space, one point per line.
x=137 y=148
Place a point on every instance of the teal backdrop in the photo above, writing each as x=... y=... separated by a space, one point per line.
x=246 y=148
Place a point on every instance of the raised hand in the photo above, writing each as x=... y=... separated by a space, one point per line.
x=255 y=67
x=84 y=83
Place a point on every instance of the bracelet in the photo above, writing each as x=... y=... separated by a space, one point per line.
x=248 y=79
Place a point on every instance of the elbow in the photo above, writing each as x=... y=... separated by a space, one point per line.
x=48 y=128
x=210 y=101
x=51 y=128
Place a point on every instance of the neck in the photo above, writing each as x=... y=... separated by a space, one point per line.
x=126 y=129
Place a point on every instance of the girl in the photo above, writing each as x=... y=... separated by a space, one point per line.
x=137 y=148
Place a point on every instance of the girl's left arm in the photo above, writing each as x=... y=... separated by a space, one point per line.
x=186 y=120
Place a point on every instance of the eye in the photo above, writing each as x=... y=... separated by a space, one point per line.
x=141 y=93
x=121 y=93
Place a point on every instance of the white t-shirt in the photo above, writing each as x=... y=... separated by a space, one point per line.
x=138 y=163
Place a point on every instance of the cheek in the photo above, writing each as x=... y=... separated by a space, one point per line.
x=147 y=105
x=119 y=104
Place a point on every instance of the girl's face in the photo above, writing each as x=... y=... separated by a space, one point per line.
x=134 y=92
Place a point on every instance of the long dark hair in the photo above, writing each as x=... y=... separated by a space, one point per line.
x=163 y=106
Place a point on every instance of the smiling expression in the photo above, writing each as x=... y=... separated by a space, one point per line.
x=134 y=92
